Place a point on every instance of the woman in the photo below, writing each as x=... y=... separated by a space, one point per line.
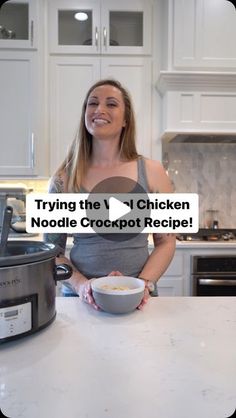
x=103 y=148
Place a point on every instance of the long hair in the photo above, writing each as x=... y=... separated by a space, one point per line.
x=76 y=162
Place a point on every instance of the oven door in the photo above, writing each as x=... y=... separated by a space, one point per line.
x=215 y=286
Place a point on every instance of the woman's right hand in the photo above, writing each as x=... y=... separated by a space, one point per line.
x=86 y=294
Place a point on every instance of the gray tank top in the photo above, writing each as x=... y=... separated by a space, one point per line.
x=95 y=256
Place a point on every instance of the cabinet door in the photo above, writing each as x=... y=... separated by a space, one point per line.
x=17 y=113
x=74 y=27
x=170 y=286
x=172 y=282
x=70 y=79
x=204 y=34
x=18 y=24
x=108 y=27
x=135 y=74
x=126 y=27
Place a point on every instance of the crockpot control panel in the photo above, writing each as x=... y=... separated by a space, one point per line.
x=15 y=320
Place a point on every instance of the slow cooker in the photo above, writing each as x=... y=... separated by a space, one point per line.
x=28 y=278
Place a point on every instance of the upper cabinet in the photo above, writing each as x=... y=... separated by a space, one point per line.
x=105 y=27
x=202 y=35
x=197 y=78
x=22 y=88
x=18 y=24
x=18 y=113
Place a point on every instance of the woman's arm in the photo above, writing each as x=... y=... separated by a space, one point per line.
x=56 y=185
x=164 y=244
x=60 y=240
x=77 y=280
x=160 y=258
x=79 y=283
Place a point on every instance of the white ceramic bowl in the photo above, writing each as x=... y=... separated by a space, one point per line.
x=118 y=294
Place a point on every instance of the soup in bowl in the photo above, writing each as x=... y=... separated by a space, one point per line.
x=118 y=294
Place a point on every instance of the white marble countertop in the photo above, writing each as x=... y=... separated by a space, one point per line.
x=176 y=358
x=231 y=244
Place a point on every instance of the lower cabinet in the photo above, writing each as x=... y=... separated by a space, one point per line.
x=170 y=286
x=172 y=282
x=178 y=278
x=70 y=79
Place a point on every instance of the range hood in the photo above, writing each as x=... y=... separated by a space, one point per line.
x=198 y=107
x=199 y=138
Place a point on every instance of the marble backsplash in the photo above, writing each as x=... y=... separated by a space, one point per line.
x=210 y=171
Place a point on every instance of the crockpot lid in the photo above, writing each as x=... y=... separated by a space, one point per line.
x=25 y=252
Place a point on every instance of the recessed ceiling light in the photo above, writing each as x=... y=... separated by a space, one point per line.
x=81 y=16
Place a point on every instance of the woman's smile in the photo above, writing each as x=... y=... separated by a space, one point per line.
x=100 y=121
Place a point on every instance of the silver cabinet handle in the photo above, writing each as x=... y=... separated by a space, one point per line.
x=215 y=282
x=32 y=33
x=96 y=37
x=105 y=37
x=32 y=150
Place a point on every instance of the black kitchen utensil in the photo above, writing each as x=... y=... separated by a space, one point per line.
x=5 y=229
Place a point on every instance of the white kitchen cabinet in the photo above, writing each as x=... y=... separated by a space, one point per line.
x=19 y=24
x=203 y=34
x=168 y=286
x=110 y=27
x=70 y=79
x=189 y=250
x=18 y=113
x=178 y=280
x=23 y=92
x=199 y=112
x=172 y=282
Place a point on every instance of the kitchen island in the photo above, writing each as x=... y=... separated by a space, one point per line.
x=176 y=358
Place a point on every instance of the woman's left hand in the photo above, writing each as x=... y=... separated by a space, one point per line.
x=146 y=295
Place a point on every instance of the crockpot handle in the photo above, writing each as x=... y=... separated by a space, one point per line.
x=63 y=272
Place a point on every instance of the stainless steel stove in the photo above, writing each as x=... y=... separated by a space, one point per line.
x=214 y=275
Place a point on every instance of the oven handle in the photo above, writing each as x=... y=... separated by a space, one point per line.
x=215 y=282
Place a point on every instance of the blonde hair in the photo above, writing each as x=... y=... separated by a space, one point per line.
x=76 y=162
